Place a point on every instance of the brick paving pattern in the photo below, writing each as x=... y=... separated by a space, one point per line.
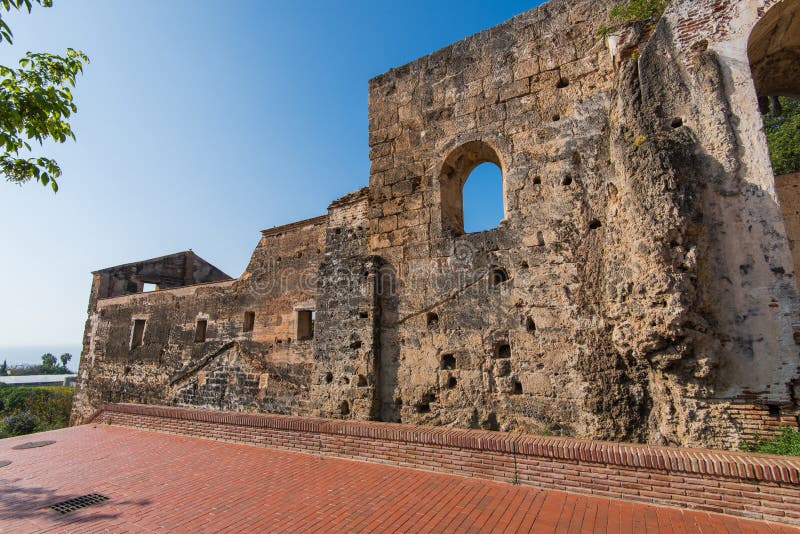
x=170 y=483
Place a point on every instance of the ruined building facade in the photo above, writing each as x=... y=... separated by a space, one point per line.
x=640 y=287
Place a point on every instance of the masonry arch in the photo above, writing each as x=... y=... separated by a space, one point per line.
x=773 y=50
x=458 y=167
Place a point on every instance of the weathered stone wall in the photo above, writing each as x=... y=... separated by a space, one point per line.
x=640 y=286
x=745 y=306
x=345 y=377
x=175 y=270
x=264 y=369
x=532 y=95
x=626 y=200
x=787 y=188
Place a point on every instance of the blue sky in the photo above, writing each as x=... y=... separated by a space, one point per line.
x=197 y=127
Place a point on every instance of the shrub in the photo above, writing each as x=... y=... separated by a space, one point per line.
x=49 y=407
x=638 y=10
x=786 y=443
x=633 y=11
x=20 y=423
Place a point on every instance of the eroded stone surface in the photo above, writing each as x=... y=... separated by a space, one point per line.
x=640 y=287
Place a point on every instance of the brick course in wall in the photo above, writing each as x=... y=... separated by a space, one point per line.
x=748 y=485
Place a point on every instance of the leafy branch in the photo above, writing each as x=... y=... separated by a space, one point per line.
x=35 y=105
x=8 y=5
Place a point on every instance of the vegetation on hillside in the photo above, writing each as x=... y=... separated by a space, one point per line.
x=786 y=443
x=49 y=366
x=24 y=410
x=782 y=126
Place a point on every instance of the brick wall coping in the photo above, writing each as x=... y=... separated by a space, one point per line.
x=735 y=465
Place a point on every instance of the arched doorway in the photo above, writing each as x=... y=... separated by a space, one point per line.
x=773 y=50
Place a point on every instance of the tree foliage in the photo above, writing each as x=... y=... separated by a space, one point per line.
x=49 y=366
x=48 y=360
x=782 y=126
x=33 y=409
x=35 y=105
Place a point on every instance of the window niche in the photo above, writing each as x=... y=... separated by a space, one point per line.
x=200 y=331
x=502 y=351
x=497 y=277
x=137 y=333
x=249 y=321
x=305 y=325
x=448 y=362
x=480 y=205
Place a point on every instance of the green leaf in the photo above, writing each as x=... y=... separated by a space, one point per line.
x=35 y=104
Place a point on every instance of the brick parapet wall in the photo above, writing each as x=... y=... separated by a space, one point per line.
x=750 y=485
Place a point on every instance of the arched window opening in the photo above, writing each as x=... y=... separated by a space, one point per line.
x=483 y=198
x=471 y=185
x=774 y=53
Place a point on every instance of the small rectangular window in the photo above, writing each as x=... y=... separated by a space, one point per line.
x=305 y=324
x=200 y=331
x=249 y=321
x=148 y=287
x=137 y=333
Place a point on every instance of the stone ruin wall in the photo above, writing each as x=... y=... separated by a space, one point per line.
x=265 y=369
x=640 y=286
x=788 y=189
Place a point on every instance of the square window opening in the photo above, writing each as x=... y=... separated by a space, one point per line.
x=137 y=333
x=200 y=331
x=305 y=324
x=249 y=321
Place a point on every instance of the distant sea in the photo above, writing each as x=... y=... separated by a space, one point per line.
x=33 y=354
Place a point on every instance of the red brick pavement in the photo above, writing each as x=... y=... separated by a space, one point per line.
x=170 y=483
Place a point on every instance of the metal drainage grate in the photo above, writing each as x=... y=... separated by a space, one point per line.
x=77 y=503
x=33 y=445
x=4 y=463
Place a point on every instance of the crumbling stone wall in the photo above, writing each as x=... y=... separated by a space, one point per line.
x=263 y=367
x=175 y=270
x=787 y=188
x=345 y=378
x=640 y=286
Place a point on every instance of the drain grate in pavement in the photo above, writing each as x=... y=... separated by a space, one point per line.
x=33 y=445
x=4 y=463
x=77 y=503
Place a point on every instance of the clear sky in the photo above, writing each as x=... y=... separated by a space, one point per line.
x=199 y=124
